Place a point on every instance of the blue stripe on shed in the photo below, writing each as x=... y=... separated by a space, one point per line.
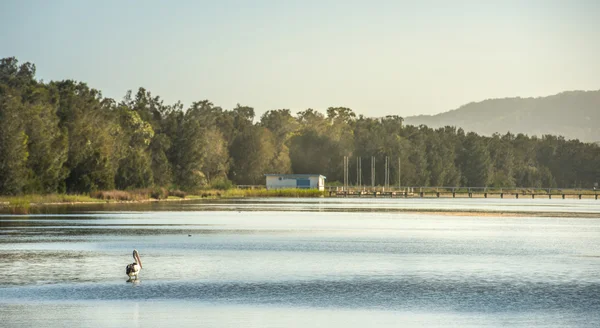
x=302 y=183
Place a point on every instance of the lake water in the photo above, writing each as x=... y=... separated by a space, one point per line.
x=304 y=263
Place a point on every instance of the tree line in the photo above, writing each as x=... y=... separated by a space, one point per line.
x=63 y=136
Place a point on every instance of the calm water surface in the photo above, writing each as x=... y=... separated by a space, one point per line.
x=307 y=262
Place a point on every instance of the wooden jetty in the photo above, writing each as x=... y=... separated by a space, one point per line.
x=456 y=192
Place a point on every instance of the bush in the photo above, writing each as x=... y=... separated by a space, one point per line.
x=118 y=195
x=177 y=193
x=221 y=184
x=159 y=193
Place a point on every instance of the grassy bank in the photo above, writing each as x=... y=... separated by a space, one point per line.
x=241 y=193
x=274 y=193
x=22 y=204
x=137 y=194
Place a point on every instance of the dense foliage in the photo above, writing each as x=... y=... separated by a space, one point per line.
x=65 y=137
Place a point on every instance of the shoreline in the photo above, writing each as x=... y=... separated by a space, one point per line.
x=6 y=208
x=516 y=214
x=99 y=202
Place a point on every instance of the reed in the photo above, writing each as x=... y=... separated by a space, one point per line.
x=46 y=199
x=22 y=204
x=19 y=205
x=241 y=193
x=134 y=194
x=274 y=193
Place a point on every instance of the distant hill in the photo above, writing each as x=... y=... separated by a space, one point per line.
x=572 y=114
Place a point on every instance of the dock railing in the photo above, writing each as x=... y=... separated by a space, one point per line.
x=454 y=192
x=485 y=192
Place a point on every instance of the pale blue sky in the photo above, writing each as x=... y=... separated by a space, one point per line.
x=376 y=57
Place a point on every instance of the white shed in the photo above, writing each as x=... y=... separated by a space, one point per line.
x=301 y=181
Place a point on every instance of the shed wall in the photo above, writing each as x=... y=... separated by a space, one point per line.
x=287 y=182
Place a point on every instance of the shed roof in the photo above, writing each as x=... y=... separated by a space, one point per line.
x=295 y=175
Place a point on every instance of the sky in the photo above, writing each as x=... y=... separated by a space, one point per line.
x=376 y=57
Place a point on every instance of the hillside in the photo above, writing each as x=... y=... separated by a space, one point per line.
x=572 y=114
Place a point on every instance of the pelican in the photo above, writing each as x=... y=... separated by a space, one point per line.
x=134 y=268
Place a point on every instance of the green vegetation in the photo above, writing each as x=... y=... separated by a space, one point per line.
x=137 y=194
x=63 y=137
x=257 y=192
x=22 y=204
x=47 y=199
x=19 y=206
x=275 y=193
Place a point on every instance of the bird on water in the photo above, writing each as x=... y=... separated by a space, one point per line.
x=133 y=269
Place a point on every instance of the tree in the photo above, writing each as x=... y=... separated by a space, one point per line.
x=321 y=143
x=96 y=143
x=33 y=109
x=283 y=126
x=160 y=164
x=135 y=168
x=13 y=144
x=64 y=136
x=252 y=153
x=153 y=113
x=475 y=162
x=188 y=152
x=216 y=164
x=418 y=158
x=502 y=158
